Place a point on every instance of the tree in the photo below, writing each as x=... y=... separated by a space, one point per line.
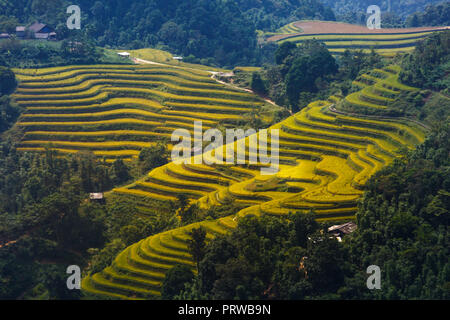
x=98 y=10
x=324 y=264
x=302 y=66
x=104 y=257
x=236 y=281
x=304 y=225
x=183 y=201
x=130 y=235
x=153 y=157
x=298 y=79
x=55 y=281
x=188 y=214
x=284 y=51
x=48 y=10
x=197 y=244
x=426 y=64
x=172 y=34
x=175 y=281
x=7 y=81
x=257 y=84
x=413 y=21
x=8 y=24
x=433 y=15
x=120 y=172
x=9 y=112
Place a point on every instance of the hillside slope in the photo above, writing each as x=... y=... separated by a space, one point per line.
x=114 y=111
x=326 y=158
x=341 y=36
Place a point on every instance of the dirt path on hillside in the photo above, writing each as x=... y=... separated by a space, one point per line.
x=214 y=75
x=142 y=61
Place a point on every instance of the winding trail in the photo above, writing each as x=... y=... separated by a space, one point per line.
x=214 y=75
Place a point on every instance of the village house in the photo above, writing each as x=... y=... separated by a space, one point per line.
x=37 y=30
x=123 y=54
x=339 y=231
x=96 y=196
x=41 y=31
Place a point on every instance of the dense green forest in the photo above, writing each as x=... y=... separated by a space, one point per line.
x=45 y=217
x=269 y=15
x=433 y=15
x=355 y=9
x=23 y=53
x=9 y=111
x=210 y=32
x=427 y=67
x=402 y=14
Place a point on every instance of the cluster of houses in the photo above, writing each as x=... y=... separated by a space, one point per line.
x=37 y=30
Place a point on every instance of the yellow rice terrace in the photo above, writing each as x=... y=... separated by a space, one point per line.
x=114 y=111
x=339 y=36
x=326 y=157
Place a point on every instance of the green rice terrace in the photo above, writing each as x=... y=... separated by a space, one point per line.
x=339 y=37
x=327 y=153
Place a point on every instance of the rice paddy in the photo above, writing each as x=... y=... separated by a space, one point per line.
x=116 y=110
x=339 y=37
x=326 y=158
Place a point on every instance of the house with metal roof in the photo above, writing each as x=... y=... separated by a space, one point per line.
x=38 y=27
x=339 y=231
x=37 y=30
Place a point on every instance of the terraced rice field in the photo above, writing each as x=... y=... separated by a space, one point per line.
x=116 y=110
x=341 y=36
x=290 y=28
x=165 y=57
x=378 y=89
x=326 y=158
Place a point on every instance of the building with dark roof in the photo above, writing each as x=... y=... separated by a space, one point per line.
x=37 y=30
x=38 y=27
x=341 y=230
